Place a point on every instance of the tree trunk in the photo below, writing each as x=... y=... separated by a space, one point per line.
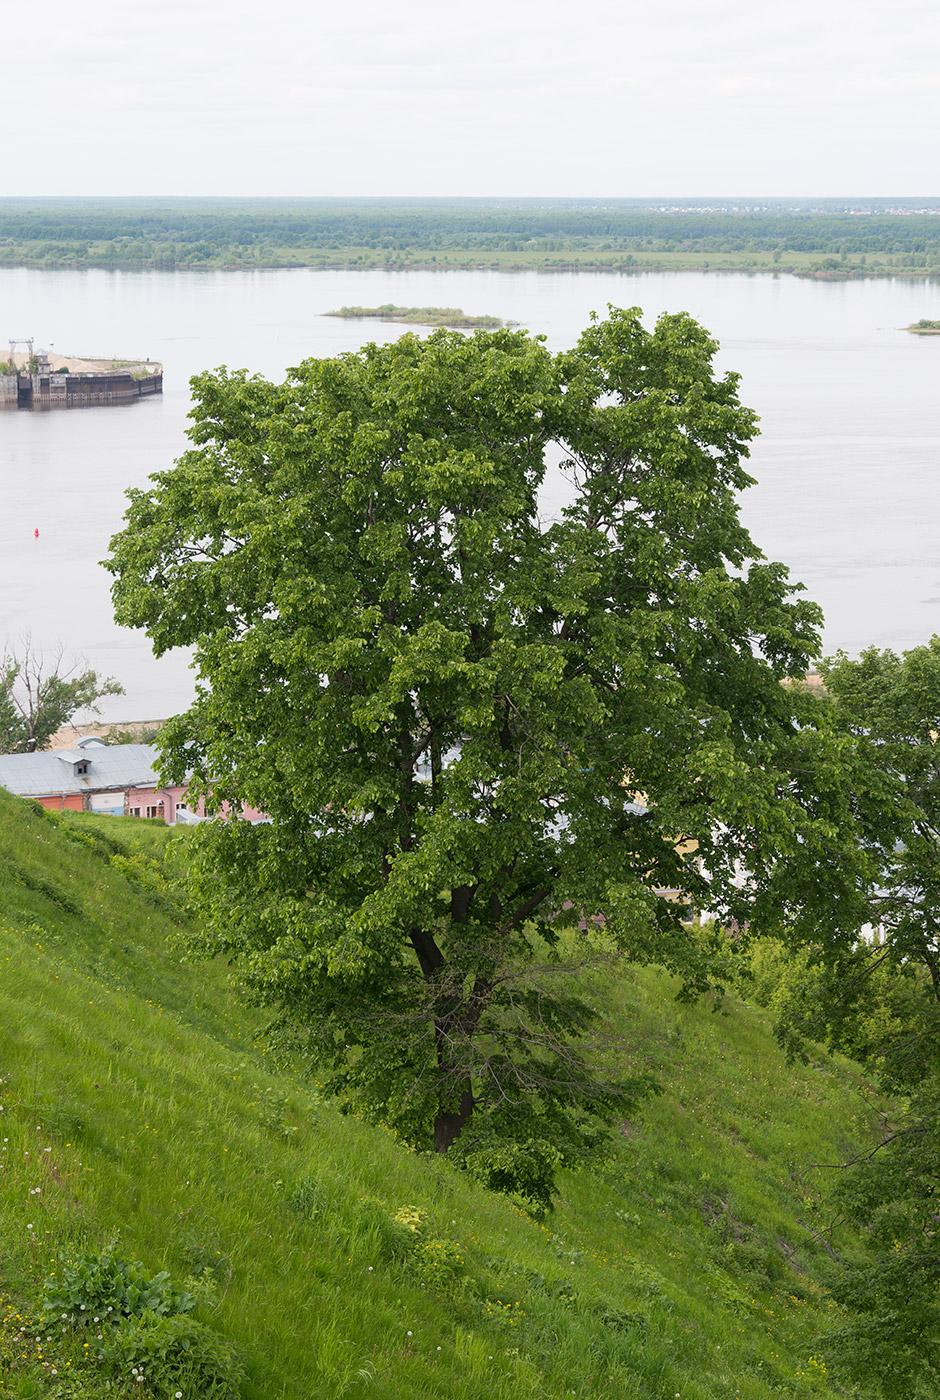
x=447 y=1024
x=449 y=1126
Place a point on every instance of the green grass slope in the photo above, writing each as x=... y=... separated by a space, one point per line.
x=137 y=1105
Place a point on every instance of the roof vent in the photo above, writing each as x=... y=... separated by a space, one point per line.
x=76 y=760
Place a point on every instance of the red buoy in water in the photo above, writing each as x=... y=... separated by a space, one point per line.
x=36 y=534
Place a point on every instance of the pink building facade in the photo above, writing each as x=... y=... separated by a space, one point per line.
x=119 y=780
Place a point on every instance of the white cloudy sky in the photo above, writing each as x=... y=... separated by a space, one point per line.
x=524 y=97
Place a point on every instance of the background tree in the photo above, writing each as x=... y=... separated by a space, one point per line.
x=39 y=693
x=471 y=726
x=876 y=996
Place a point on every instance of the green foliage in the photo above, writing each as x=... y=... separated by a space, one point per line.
x=309 y=1198
x=437 y=1261
x=449 y=709
x=892 y=705
x=101 y=843
x=142 y=734
x=91 y=1289
x=893 y=1296
x=874 y=993
x=421 y=316
x=792 y=234
x=151 y=877
x=175 y=1354
x=39 y=694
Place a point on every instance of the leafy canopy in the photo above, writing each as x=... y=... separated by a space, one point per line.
x=877 y=996
x=489 y=741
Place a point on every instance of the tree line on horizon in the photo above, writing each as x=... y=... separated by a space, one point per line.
x=198 y=232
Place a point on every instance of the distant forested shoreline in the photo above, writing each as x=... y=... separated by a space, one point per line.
x=828 y=239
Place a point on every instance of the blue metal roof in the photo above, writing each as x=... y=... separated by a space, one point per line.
x=112 y=768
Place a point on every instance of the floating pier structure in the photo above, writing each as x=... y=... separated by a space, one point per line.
x=40 y=380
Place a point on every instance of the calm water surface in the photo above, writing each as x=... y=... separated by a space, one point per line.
x=848 y=464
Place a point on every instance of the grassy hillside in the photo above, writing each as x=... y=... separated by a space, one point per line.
x=137 y=1103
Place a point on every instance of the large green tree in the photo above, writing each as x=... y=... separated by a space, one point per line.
x=488 y=738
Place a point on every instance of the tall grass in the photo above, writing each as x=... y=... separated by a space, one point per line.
x=137 y=1101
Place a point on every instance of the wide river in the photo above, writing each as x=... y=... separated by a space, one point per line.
x=847 y=466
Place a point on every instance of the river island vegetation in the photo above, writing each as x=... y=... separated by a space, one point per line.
x=827 y=239
x=451 y=316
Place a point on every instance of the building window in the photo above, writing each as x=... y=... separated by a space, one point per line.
x=133 y=811
x=155 y=811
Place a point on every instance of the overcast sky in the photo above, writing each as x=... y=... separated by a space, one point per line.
x=493 y=97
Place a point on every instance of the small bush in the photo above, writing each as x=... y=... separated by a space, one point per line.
x=202 y=1252
x=616 y=1321
x=173 y=1355
x=98 y=842
x=412 y=1218
x=108 y=1288
x=148 y=877
x=437 y=1260
x=272 y=1107
x=521 y=1169
x=61 y=1119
